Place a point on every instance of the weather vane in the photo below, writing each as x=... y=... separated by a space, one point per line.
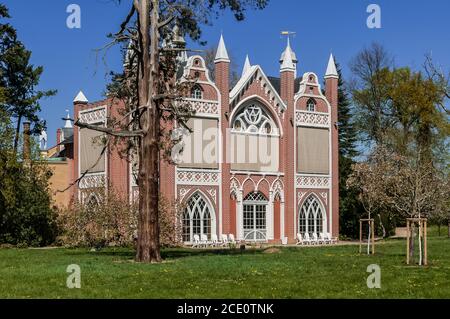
x=288 y=34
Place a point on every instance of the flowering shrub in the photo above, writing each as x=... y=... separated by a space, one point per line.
x=111 y=220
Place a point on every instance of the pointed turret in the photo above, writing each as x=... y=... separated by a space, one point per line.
x=81 y=98
x=331 y=68
x=247 y=66
x=68 y=120
x=288 y=63
x=222 y=54
x=288 y=52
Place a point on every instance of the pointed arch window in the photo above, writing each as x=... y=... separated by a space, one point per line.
x=254 y=119
x=198 y=219
x=311 y=105
x=197 y=92
x=312 y=218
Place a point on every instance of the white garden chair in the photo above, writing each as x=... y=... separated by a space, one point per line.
x=307 y=239
x=231 y=239
x=204 y=240
x=196 y=243
x=224 y=241
x=331 y=239
x=299 y=239
x=214 y=240
x=315 y=238
x=324 y=239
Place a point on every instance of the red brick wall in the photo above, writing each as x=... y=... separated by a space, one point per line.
x=222 y=70
x=331 y=92
x=287 y=94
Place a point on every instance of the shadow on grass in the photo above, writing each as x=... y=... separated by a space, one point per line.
x=168 y=253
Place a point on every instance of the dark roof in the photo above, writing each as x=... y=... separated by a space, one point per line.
x=276 y=83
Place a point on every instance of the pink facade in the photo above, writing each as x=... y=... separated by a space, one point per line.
x=294 y=191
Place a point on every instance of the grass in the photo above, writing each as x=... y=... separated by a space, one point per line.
x=327 y=272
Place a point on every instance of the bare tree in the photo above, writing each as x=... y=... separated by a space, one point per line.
x=152 y=32
x=437 y=75
x=369 y=93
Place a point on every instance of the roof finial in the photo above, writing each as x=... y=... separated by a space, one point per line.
x=222 y=54
x=331 y=68
x=247 y=66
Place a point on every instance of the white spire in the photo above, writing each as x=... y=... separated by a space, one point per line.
x=331 y=68
x=222 y=54
x=288 y=63
x=288 y=52
x=68 y=121
x=247 y=66
x=80 y=98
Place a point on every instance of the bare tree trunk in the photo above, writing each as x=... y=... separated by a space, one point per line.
x=148 y=246
x=382 y=226
x=449 y=228
x=411 y=243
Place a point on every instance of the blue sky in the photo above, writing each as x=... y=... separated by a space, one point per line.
x=409 y=30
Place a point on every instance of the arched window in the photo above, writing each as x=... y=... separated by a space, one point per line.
x=312 y=217
x=254 y=119
x=186 y=226
x=197 y=92
x=198 y=219
x=311 y=105
x=302 y=222
x=255 y=224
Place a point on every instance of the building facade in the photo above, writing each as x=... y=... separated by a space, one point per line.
x=261 y=160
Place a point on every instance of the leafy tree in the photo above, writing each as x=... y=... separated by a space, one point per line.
x=19 y=78
x=26 y=216
x=349 y=206
x=150 y=91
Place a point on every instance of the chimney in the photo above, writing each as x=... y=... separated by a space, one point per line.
x=26 y=141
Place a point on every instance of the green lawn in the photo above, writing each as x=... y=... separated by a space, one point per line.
x=329 y=272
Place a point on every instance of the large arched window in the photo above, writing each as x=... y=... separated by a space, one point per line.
x=311 y=105
x=198 y=218
x=254 y=119
x=312 y=218
x=197 y=92
x=255 y=211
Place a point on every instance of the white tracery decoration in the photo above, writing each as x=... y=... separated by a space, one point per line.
x=254 y=119
x=198 y=219
x=312 y=218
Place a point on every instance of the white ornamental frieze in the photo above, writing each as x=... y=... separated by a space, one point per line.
x=188 y=177
x=308 y=181
x=204 y=107
x=93 y=181
x=97 y=115
x=313 y=119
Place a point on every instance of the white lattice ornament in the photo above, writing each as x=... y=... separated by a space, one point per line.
x=97 y=115
x=312 y=119
x=93 y=181
x=198 y=178
x=306 y=181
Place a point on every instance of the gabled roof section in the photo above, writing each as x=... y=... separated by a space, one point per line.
x=255 y=73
